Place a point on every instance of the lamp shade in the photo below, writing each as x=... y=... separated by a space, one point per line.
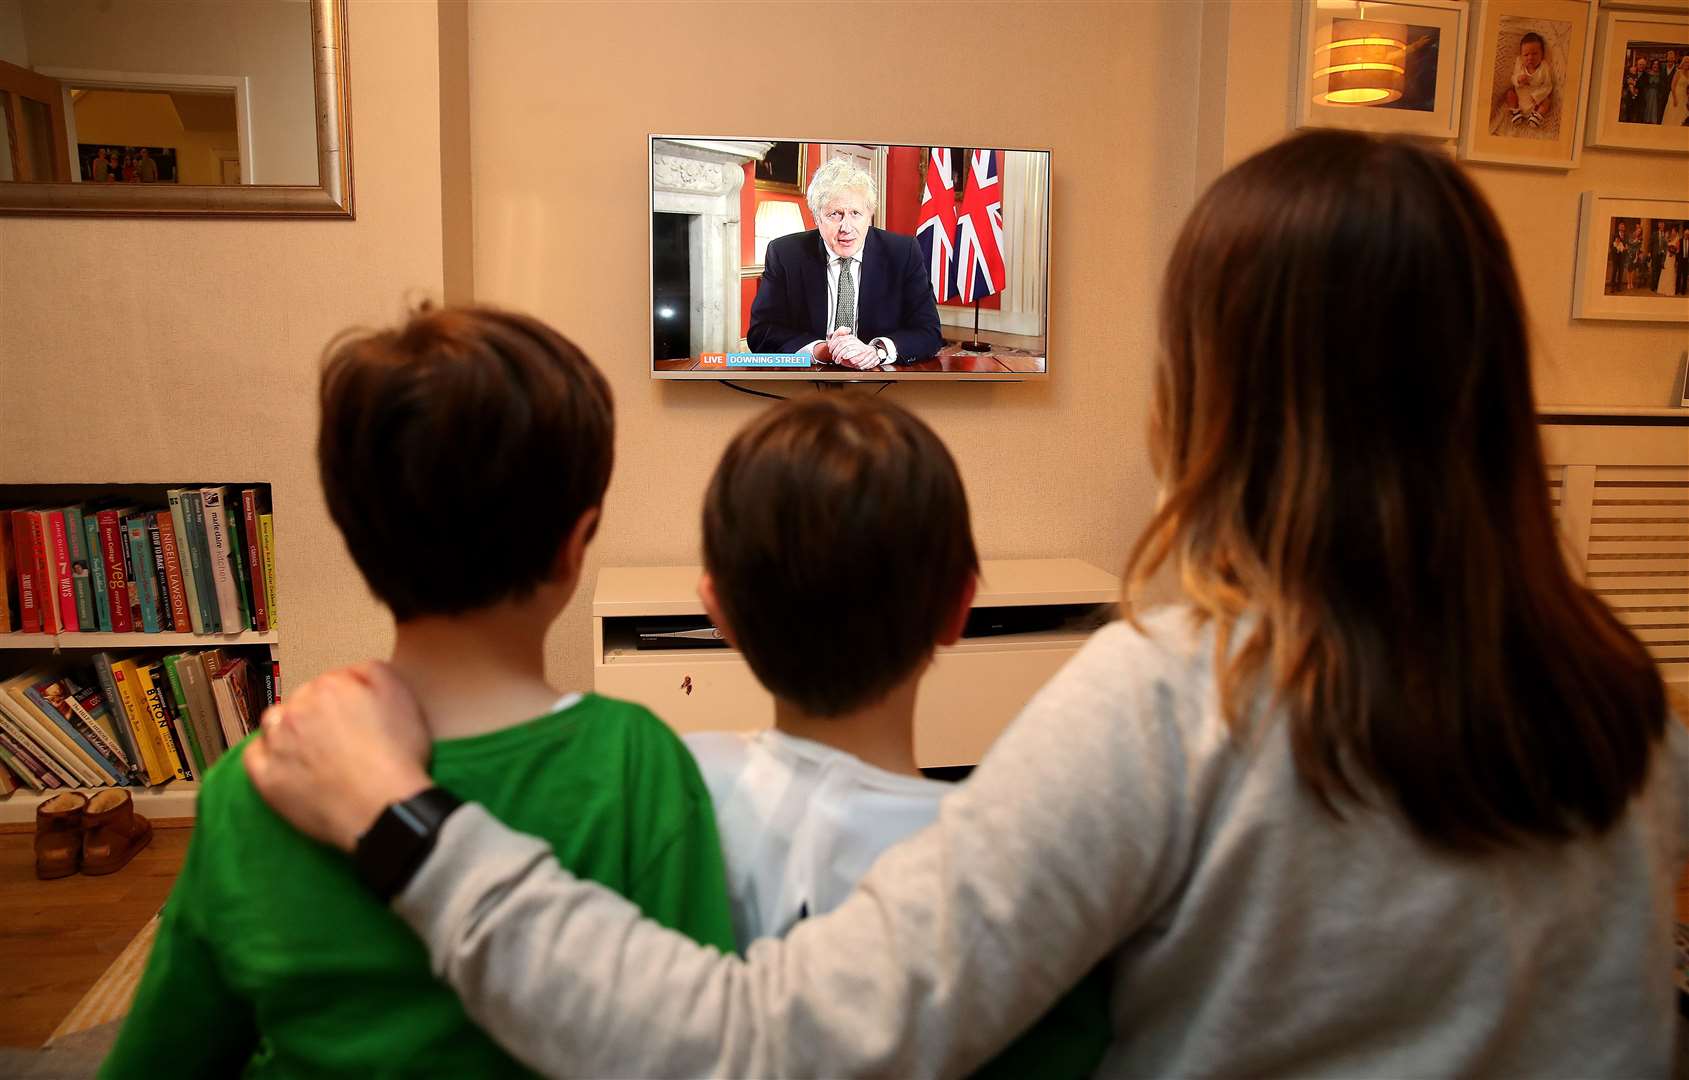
x=1360 y=62
x=774 y=220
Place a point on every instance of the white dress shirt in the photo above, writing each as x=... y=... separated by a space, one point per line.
x=833 y=263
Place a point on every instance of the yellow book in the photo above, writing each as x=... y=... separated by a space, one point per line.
x=153 y=696
x=127 y=675
x=267 y=538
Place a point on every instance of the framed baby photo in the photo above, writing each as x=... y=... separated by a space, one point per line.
x=1391 y=67
x=1527 y=85
x=1633 y=259
x=1641 y=95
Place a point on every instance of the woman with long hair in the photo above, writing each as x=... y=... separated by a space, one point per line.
x=1389 y=793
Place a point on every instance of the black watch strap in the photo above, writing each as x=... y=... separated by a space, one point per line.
x=391 y=852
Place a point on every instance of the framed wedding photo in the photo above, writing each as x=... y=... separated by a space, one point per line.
x=1393 y=67
x=1527 y=84
x=1632 y=260
x=1641 y=96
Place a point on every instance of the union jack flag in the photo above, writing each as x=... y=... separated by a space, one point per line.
x=936 y=228
x=979 y=235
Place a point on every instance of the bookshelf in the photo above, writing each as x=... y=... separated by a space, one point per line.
x=74 y=651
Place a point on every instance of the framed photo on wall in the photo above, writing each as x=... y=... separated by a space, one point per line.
x=1393 y=67
x=1631 y=259
x=782 y=168
x=1528 y=82
x=1641 y=96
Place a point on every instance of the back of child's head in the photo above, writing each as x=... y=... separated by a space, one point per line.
x=836 y=533
x=457 y=453
x=1349 y=452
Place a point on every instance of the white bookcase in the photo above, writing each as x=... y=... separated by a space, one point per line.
x=20 y=651
x=968 y=695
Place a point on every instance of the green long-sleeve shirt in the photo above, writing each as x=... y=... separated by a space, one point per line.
x=274 y=960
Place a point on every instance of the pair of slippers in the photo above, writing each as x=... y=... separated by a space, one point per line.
x=74 y=833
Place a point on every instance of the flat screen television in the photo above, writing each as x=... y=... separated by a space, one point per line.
x=814 y=260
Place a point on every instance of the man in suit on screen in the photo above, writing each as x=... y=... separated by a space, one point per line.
x=846 y=293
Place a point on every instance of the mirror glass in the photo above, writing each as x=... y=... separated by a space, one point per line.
x=187 y=92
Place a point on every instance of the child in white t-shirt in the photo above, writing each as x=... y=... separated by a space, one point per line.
x=1532 y=88
x=837 y=556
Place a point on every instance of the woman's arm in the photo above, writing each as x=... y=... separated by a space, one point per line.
x=1070 y=835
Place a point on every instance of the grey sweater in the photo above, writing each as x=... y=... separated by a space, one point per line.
x=1248 y=931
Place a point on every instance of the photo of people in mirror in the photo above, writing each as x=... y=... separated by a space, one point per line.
x=102 y=164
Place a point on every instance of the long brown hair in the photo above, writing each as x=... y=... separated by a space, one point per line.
x=1355 y=494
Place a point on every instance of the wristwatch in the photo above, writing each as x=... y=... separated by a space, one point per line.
x=390 y=853
x=880 y=351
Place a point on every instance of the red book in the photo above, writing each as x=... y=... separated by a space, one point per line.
x=28 y=574
x=112 y=543
x=255 y=560
x=173 y=581
x=46 y=589
x=58 y=554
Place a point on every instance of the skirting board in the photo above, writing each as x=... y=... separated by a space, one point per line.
x=175 y=800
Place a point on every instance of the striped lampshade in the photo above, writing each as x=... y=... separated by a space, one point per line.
x=1360 y=62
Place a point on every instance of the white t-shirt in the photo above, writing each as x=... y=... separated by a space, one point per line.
x=801 y=822
x=1532 y=86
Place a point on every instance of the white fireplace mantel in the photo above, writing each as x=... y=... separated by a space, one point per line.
x=701 y=180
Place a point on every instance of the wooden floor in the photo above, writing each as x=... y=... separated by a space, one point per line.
x=57 y=937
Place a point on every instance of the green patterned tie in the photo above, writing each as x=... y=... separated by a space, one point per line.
x=847 y=299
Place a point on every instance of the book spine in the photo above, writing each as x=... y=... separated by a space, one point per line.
x=43 y=734
x=97 y=571
x=29 y=582
x=135 y=710
x=227 y=717
x=267 y=532
x=74 y=732
x=153 y=701
x=217 y=541
x=266 y=685
x=90 y=705
x=140 y=559
x=8 y=573
x=155 y=544
x=58 y=555
x=199 y=553
x=275 y=679
x=184 y=560
x=196 y=742
x=119 y=718
x=102 y=746
x=44 y=777
x=47 y=591
x=254 y=544
x=112 y=546
x=76 y=540
x=235 y=536
x=24 y=773
x=202 y=709
x=174 y=580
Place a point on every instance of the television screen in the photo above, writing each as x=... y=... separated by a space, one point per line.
x=786 y=259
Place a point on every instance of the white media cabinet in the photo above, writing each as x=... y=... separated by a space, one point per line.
x=969 y=694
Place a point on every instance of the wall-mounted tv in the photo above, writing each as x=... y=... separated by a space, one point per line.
x=794 y=259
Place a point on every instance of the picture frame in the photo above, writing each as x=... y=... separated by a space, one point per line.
x=1627 y=250
x=1682 y=396
x=1672 y=7
x=1624 y=112
x=783 y=168
x=1517 y=114
x=1429 y=58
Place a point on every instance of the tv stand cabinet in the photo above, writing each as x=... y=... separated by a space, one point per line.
x=973 y=689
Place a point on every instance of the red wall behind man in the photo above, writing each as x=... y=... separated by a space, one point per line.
x=749 y=199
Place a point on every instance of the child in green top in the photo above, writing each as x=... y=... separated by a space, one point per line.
x=464 y=457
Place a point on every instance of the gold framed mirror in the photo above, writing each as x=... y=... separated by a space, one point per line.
x=188 y=108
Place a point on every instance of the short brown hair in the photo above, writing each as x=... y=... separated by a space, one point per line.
x=457 y=452
x=836 y=532
x=1355 y=495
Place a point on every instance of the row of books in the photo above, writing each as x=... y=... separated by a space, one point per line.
x=130 y=722
x=206 y=564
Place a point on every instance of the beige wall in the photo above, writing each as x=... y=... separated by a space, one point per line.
x=268 y=41
x=221 y=324
x=1577 y=362
x=13 y=48
x=1053 y=468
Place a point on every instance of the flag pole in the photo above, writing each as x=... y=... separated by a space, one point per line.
x=976 y=345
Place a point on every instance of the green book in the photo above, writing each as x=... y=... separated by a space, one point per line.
x=199 y=553
x=76 y=539
x=191 y=733
x=97 y=571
